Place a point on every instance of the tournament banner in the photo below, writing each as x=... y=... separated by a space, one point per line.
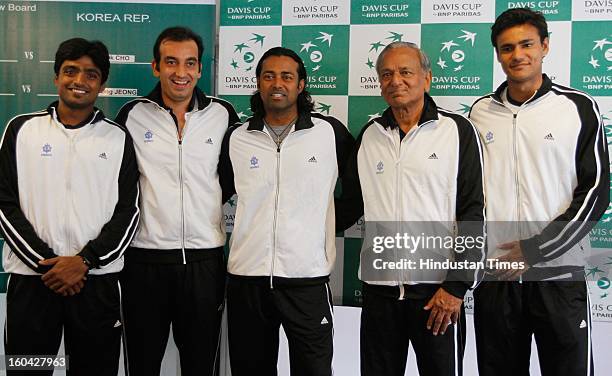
x=339 y=41
x=32 y=31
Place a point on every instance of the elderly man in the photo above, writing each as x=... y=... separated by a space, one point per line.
x=546 y=160
x=414 y=164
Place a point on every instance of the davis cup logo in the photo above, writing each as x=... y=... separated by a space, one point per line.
x=314 y=51
x=455 y=55
x=244 y=53
x=238 y=56
x=324 y=51
x=591 y=68
x=462 y=60
x=601 y=63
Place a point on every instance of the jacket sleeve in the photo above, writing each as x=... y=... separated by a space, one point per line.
x=349 y=204
x=225 y=168
x=591 y=196
x=470 y=210
x=17 y=231
x=118 y=232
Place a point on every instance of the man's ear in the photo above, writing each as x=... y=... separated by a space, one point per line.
x=427 y=81
x=545 y=45
x=155 y=68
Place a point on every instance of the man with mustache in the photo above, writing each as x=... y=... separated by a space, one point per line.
x=68 y=210
x=283 y=163
x=547 y=176
x=175 y=273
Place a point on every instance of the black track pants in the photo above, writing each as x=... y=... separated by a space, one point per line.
x=389 y=326
x=507 y=314
x=90 y=321
x=255 y=313
x=188 y=296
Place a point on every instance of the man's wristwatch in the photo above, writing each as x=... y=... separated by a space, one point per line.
x=86 y=262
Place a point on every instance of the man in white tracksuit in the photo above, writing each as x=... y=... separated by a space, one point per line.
x=175 y=272
x=68 y=211
x=283 y=163
x=416 y=167
x=547 y=184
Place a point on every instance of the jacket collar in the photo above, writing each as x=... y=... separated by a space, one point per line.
x=545 y=88
x=304 y=121
x=95 y=116
x=430 y=112
x=203 y=101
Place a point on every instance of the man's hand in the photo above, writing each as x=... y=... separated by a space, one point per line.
x=67 y=275
x=445 y=309
x=74 y=289
x=514 y=254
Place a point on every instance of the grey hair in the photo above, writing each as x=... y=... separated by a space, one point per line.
x=424 y=59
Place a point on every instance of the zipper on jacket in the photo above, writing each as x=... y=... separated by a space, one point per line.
x=275 y=214
x=180 y=151
x=398 y=166
x=71 y=153
x=516 y=173
x=398 y=169
x=516 y=178
x=180 y=134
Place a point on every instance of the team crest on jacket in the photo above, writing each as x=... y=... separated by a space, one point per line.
x=148 y=136
x=46 y=150
x=380 y=167
x=254 y=162
x=489 y=137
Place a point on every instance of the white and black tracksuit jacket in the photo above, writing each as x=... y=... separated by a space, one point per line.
x=66 y=191
x=182 y=211
x=433 y=174
x=284 y=229
x=554 y=173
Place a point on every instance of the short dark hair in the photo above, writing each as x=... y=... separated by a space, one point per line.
x=76 y=48
x=178 y=34
x=519 y=16
x=304 y=100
